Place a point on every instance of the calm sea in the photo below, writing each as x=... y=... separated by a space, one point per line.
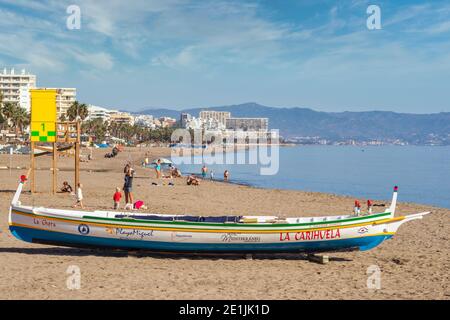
x=422 y=173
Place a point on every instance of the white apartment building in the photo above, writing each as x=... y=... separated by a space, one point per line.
x=15 y=87
x=65 y=97
x=96 y=112
x=219 y=116
x=121 y=117
x=146 y=121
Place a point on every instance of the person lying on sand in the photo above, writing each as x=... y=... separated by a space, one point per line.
x=192 y=180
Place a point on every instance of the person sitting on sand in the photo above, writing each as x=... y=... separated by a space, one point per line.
x=79 y=196
x=138 y=205
x=192 y=180
x=66 y=187
x=176 y=173
x=116 y=197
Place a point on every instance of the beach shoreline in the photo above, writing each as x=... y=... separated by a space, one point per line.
x=414 y=264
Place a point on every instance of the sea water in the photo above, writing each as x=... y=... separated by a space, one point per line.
x=421 y=172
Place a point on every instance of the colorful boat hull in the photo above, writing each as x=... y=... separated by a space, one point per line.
x=117 y=230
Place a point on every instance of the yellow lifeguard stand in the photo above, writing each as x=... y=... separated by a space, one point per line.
x=44 y=128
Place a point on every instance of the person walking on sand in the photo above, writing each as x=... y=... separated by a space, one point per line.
x=116 y=197
x=79 y=197
x=211 y=175
x=226 y=175
x=204 y=171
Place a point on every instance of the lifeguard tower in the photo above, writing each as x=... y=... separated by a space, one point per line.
x=50 y=136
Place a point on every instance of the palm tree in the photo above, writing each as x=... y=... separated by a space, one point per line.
x=8 y=110
x=20 y=118
x=62 y=118
x=96 y=128
x=2 y=119
x=77 y=110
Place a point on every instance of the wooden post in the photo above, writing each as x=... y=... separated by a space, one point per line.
x=32 y=176
x=318 y=258
x=77 y=155
x=55 y=153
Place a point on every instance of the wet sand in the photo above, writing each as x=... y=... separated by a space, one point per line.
x=414 y=264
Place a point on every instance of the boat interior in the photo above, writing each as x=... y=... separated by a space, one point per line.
x=188 y=218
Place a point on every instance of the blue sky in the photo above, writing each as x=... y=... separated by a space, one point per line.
x=139 y=54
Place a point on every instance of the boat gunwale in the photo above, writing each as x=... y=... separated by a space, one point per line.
x=205 y=224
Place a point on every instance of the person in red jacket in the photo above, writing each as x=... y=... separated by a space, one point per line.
x=117 y=196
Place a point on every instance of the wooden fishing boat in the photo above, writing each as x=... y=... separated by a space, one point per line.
x=182 y=233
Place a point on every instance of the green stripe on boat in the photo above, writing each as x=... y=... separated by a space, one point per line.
x=238 y=224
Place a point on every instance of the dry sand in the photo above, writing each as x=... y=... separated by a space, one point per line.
x=414 y=264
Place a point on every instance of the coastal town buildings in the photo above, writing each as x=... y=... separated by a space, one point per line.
x=185 y=118
x=121 y=118
x=96 y=112
x=219 y=116
x=146 y=121
x=15 y=86
x=167 y=122
x=247 y=124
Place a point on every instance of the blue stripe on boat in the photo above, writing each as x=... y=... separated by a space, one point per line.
x=35 y=235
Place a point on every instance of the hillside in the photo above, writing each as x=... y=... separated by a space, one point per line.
x=301 y=122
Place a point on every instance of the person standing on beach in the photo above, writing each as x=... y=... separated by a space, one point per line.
x=128 y=186
x=357 y=208
x=211 y=174
x=79 y=196
x=226 y=175
x=158 y=169
x=369 y=206
x=204 y=171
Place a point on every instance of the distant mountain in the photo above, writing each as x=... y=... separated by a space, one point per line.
x=296 y=122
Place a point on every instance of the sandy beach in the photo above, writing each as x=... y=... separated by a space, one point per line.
x=414 y=264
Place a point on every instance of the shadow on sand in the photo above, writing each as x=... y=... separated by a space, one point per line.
x=117 y=253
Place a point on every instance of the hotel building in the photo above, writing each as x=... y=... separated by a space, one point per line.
x=219 y=116
x=15 y=87
x=248 y=124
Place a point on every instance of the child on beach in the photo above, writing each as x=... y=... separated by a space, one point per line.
x=79 y=196
x=117 y=196
x=357 y=208
x=212 y=175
